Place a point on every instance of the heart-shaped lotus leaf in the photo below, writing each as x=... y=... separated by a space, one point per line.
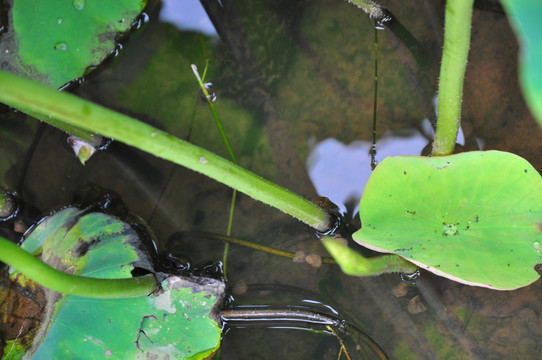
x=56 y=41
x=176 y=323
x=524 y=16
x=474 y=217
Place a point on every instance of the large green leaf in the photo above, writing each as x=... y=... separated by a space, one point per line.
x=473 y=217
x=176 y=323
x=56 y=41
x=525 y=18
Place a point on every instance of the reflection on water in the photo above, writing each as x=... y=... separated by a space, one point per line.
x=187 y=15
x=340 y=171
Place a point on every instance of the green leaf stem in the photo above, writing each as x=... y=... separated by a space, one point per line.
x=452 y=72
x=31 y=97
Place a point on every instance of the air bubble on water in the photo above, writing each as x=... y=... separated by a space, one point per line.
x=410 y=278
x=79 y=4
x=212 y=94
x=59 y=20
x=380 y=23
x=140 y=22
x=62 y=46
x=450 y=230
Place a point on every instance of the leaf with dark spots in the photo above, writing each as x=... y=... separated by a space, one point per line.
x=466 y=208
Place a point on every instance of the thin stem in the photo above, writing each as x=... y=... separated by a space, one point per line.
x=353 y=263
x=228 y=233
x=29 y=96
x=251 y=245
x=374 y=162
x=230 y=151
x=232 y=210
x=457 y=29
x=209 y=99
x=341 y=342
x=53 y=279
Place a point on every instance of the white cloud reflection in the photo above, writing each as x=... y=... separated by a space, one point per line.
x=340 y=171
x=187 y=15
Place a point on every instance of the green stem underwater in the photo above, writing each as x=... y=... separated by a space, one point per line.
x=457 y=32
x=34 y=98
x=53 y=279
x=355 y=264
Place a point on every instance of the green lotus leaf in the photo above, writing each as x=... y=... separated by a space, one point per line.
x=178 y=322
x=56 y=41
x=473 y=217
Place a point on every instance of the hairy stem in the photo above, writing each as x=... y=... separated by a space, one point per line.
x=372 y=8
x=31 y=97
x=457 y=28
x=53 y=279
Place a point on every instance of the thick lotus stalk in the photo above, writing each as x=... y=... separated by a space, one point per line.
x=34 y=98
x=452 y=71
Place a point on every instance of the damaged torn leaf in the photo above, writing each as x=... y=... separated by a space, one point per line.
x=176 y=323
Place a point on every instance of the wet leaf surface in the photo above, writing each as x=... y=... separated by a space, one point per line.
x=58 y=41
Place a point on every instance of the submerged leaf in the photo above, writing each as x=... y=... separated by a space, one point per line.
x=473 y=217
x=178 y=322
